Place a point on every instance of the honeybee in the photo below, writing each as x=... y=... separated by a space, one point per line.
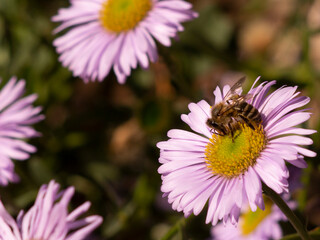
x=227 y=115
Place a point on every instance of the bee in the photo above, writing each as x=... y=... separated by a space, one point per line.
x=227 y=115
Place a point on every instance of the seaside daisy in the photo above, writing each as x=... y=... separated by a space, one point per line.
x=258 y=225
x=16 y=116
x=261 y=224
x=48 y=218
x=227 y=172
x=118 y=34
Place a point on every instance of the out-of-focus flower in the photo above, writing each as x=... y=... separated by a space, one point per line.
x=227 y=172
x=261 y=224
x=313 y=17
x=116 y=33
x=256 y=36
x=48 y=218
x=258 y=225
x=314 y=51
x=286 y=51
x=16 y=116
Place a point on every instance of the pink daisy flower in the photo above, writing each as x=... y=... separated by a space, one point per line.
x=118 y=34
x=258 y=225
x=261 y=224
x=48 y=218
x=227 y=172
x=16 y=116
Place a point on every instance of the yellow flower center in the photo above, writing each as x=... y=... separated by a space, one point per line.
x=251 y=220
x=229 y=157
x=123 y=15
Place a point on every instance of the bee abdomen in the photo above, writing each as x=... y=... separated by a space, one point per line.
x=250 y=112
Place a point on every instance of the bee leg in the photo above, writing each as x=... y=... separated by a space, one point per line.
x=252 y=125
x=248 y=122
x=231 y=131
x=216 y=132
x=220 y=134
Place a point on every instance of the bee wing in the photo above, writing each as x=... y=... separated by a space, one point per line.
x=226 y=109
x=235 y=89
x=238 y=99
x=247 y=97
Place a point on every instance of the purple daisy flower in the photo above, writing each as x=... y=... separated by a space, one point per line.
x=48 y=218
x=116 y=33
x=258 y=225
x=227 y=172
x=16 y=116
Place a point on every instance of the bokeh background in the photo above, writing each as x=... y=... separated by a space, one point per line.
x=100 y=137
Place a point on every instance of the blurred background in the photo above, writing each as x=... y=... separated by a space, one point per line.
x=101 y=137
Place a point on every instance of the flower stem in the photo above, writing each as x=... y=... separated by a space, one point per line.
x=294 y=220
x=174 y=229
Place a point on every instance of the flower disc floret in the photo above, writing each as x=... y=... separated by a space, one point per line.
x=122 y=15
x=229 y=156
x=251 y=220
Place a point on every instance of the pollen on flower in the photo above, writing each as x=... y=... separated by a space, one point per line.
x=122 y=15
x=251 y=220
x=229 y=157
